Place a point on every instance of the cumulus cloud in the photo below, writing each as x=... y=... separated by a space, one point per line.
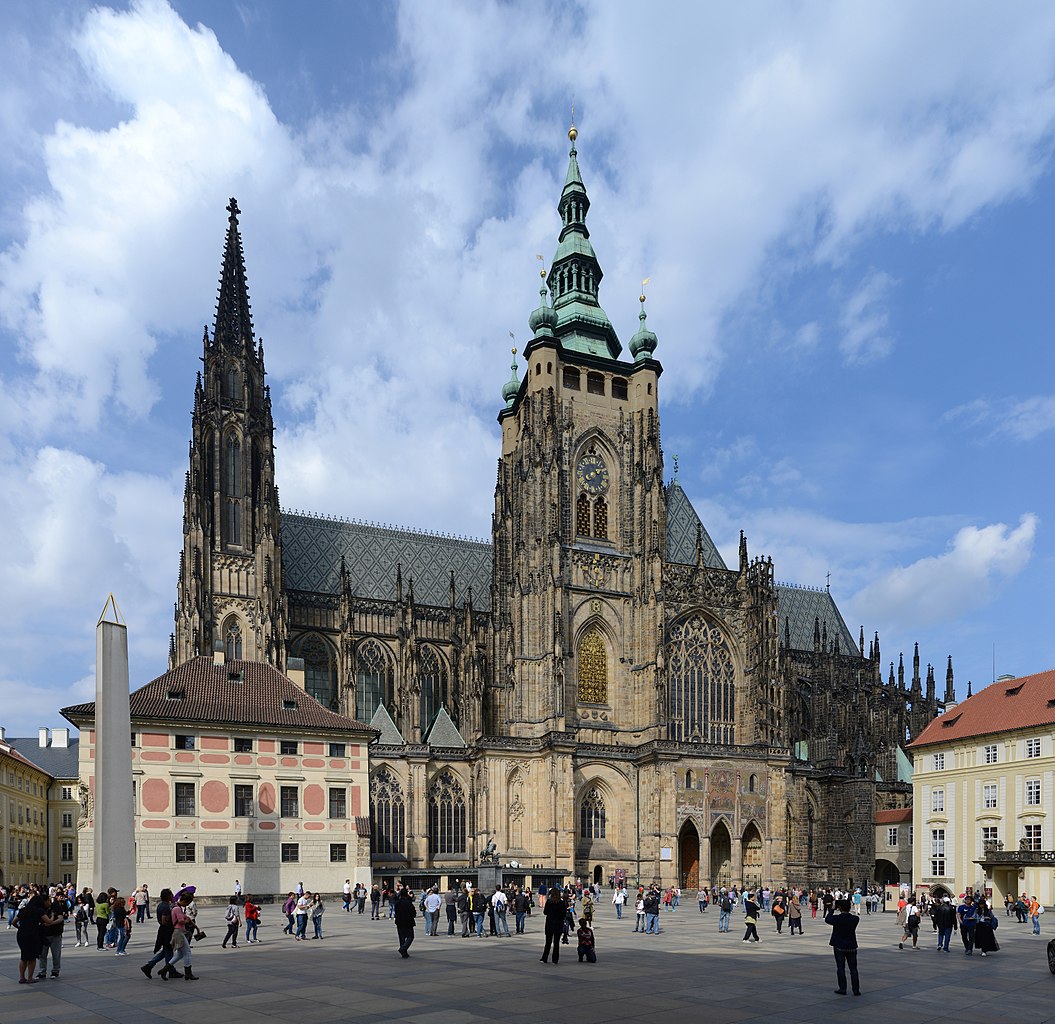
x=941 y=588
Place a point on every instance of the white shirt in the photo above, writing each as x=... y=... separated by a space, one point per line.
x=498 y=900
x=433 y=902
x=347 y=888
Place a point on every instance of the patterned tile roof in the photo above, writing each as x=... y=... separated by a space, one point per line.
x=895 y=817
x=801 y=607
x=312 y=549
x=1007 y=704
x=442 y=732
x=58 y=762
x=211 y=695
x=389 y=733
x=682 y=523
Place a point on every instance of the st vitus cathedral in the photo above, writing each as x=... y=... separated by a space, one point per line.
x=593 y=690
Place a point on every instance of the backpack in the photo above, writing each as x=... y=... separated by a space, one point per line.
x=231 y=916
x=727 y=905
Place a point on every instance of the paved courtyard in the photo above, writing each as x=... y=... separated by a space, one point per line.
x=687 y=973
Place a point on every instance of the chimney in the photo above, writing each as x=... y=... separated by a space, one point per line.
x=219 y=652
x=42 y=737
x=60 y=737
x=3 y=734
x=295 y=671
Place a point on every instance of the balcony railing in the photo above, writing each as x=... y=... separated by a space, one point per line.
x=1031 y=857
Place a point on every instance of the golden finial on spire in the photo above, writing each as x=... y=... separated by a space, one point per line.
x=573 y=132
x=542 y=271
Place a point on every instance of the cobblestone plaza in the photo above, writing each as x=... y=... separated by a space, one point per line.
x=687 y=973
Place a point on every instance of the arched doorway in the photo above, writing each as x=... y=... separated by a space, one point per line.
x=598 y=874
x=689 y=856
x=751 y=843
x=887 y=873
x=721 y=855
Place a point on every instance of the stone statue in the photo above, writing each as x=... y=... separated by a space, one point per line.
x=489 y=854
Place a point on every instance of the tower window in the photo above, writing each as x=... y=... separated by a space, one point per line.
x=571 y=378
x=549 y=367
x=595 y=383
x=592 y=818
x=233 y=642
x=600 y=519
x=582 y=516
x=593 y=669
x=619 y=388
x=538 y=369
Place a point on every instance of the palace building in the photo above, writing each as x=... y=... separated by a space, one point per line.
x=595 y=688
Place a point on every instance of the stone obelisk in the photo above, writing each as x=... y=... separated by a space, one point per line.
x=114 y=838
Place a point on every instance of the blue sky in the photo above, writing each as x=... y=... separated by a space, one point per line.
x=845 y=210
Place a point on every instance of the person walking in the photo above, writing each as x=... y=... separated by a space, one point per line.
x=639 y=910
x=238 y=890
x=794 y=914
x=555 y=911
x=967 y=916
x=234 y=923
x=945 y=921
x=985 y=930
x=778 y=911
x=404 y=915
x=102 y=918
x=910 y=923
x=618 y=900
x=375 y=903
x=1035 y=910
x=315 y=912
x=725 y=912
x=139 y=898
x=751 y=911
x=288 y=908
x=51 y=937
x=844 y=945
x=163 y=941
x=347 y=908
x=182 y=926
x=252 y=920
x=82 y=920
x=652 y=912
x=122 y=925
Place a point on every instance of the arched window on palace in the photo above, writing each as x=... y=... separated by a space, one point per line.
x=232 y=491
x=320 y=668
x=446 y=816
x=387 y=814
x=593 y=668
x=702 y=682
x=374 y=680
x=592 y=823
x=432 y=677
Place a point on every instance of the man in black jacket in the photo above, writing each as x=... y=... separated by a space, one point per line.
x=844 y=944
x=945 y=921
x=555 y=912
x=405 y=913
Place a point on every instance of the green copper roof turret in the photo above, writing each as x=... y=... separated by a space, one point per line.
x=575 y=276
x=542 y=320
x=644 y=342
x=511 y=386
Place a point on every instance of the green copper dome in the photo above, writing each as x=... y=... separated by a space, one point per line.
x=544 y=319
x=511 y=386
x=644 y=342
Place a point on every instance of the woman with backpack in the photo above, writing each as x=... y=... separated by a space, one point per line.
x=234 y=922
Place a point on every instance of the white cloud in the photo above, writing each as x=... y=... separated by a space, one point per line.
x=942 y=588
x=864 y=320
x=1021 y=419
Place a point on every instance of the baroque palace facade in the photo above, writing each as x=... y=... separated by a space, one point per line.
x=594 y=689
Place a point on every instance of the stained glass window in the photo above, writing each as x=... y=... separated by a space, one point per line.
x=592 y=823
x=233 y=641
x=702 y=682
x=432 y=677
x=446 y=816
x=375 y=680
x=593 y=668
x=387 y=814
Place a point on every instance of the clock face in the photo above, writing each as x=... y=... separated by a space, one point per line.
x=592 y=474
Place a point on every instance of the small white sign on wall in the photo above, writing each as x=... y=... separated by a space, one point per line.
x=666 y=853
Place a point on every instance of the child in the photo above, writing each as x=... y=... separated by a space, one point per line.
x=586 y=942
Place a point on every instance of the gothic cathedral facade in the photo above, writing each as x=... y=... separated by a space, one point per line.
x=594 y=689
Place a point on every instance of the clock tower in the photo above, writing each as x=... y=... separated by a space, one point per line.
x=580 y=517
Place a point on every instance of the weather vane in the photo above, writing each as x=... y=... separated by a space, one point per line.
x=643 y=283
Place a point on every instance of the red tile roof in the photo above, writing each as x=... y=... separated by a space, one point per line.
x=1021 y=703
x=895 y=817
x=199 y=691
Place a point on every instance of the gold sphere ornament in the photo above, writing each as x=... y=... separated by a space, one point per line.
x=641 y=297
x=573 y=133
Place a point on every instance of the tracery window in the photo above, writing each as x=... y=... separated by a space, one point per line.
x=320 y=669
x=374 y=680
x=582 y=516
x=432 y=677
x=702 y=682
x=232 y=488
x=600 y=519
x=593 y=668
x=232 y=641
x=232 y=381
x=592 y=824
x=387 y=814
x=446 y=816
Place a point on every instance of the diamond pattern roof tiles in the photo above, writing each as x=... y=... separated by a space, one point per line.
x=682 y=523
x=801 y=607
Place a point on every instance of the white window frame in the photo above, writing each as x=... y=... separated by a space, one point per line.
x=1034 y=835
x=937 y=801
x=939 y=762
x=891 y=836
x=937 y=852
x=990 y=796
x=991 y=753
x=1034 y=793
x=1033 y=747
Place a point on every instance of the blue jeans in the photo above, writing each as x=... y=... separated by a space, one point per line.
x=392 y=910
x=521 y=918
x=429 y=918
x=478 y=919
x=317 y=922
x=122 y=939
x=723 y=920
x=652 y=923
x=1036 y=924
x=250 y=930
x=302 y=926
x=944 y=936
x=501 y=925
x=619 y=911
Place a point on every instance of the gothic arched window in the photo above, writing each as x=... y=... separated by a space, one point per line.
x=320 y=668
x=446 y=816
x=232 y=490
x=432 y=677
x=593 y=668
x=582 y=516
x=232 y=640
x=387 y=814
x=233 y=388
x=600 y=519
x=702 y=682
x=374 y=680
x=592 y=823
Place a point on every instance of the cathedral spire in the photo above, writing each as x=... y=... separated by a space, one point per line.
x=234 y=324
x=950 y=687
x=575 y=275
